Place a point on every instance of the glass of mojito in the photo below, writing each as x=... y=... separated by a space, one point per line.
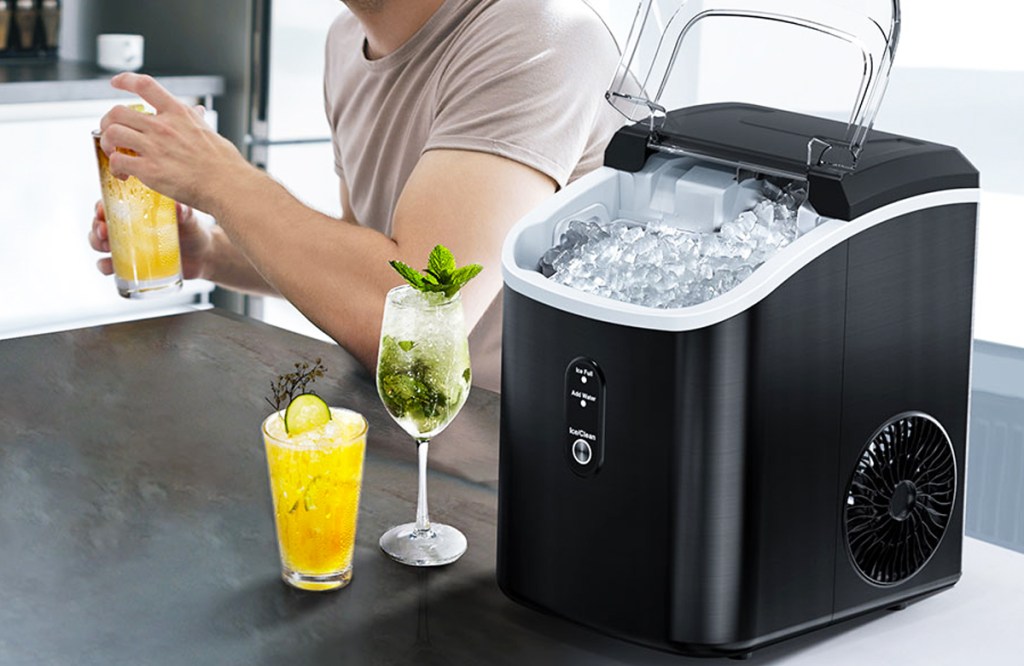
x=315 y=460
x=423 y=378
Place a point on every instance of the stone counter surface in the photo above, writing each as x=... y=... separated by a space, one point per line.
x=136 y=525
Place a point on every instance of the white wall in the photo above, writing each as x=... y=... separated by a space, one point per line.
x=981 y=34
x=958 y=80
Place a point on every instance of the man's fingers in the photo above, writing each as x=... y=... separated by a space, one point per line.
x=122 y=166
x=119 y=136
x=105 y=266
x=147 y=88
x=99 y=233
x=184 y=212
x=122 y=115
x=98 y=242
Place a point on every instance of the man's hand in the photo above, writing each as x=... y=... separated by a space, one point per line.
x=177 y=154
x=180 y=156
x=196 y=242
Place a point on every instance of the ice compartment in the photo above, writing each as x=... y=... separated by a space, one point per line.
x=683 y=232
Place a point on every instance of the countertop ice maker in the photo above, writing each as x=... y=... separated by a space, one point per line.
x=790 y=454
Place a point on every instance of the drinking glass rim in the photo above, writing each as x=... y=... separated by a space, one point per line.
x=424 y=303
x=336 y=442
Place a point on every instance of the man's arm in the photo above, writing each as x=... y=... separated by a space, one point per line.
x=336 y=274
x=206 y=252
x=229 y=268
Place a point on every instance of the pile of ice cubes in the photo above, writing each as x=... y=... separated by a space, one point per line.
x=661 y=266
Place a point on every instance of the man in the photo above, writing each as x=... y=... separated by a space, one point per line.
x=450 y=119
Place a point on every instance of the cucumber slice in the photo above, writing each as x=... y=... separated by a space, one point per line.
x=306 y=412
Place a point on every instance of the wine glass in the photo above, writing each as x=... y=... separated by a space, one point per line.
x=423 y=379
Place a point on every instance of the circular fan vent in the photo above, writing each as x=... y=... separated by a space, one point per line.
x=900 y=498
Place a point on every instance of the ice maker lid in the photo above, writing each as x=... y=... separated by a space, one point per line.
x=890 y=167
x=821 y=59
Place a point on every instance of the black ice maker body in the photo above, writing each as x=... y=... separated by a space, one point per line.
x=715 y=478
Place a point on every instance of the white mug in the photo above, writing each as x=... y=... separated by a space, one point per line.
x=119 y=53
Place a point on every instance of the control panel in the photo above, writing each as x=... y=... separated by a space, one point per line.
x=584 y=417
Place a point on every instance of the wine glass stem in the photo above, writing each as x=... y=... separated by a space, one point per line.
x=422 y=517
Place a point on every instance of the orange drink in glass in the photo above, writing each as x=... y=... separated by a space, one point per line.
x=143 y=232
x=315 y=481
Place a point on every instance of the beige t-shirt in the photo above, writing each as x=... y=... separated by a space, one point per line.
x=522 y=79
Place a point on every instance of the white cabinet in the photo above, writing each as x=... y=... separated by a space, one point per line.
x=48 y=186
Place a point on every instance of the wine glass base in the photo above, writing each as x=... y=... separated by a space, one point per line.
x=439 y=545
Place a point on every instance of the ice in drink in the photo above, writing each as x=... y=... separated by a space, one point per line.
x=423 y=370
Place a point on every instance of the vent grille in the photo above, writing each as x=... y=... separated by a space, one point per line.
x=900 y=499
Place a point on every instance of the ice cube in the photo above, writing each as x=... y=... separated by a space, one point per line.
x=765 y=213
x=666 y=267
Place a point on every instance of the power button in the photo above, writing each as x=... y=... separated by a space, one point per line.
x=581 y=452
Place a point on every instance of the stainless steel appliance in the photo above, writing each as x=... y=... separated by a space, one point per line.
x=289 y=134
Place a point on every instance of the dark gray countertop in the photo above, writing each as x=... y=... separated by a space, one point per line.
x=136 y=524
x=42 y=80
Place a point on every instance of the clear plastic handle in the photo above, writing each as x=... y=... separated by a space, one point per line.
x=661 y=27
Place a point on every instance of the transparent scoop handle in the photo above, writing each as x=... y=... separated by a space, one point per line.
x=875 y=43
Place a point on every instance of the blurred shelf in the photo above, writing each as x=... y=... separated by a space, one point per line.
x=34 y=81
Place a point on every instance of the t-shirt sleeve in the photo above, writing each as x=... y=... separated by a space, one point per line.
x=527 y=86
x=334 y=144
x=330 y=78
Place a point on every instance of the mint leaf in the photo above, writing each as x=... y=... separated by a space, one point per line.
x=460 y=277
x=466 y=273
x=407 y=345
x=441 y=263
x=440 y=275
x=410 y=393
x=411 y=275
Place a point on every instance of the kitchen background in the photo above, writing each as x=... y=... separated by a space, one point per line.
x=959 y=79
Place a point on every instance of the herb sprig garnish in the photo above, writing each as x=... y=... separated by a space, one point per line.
x=440 y=275
x=286 y=387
